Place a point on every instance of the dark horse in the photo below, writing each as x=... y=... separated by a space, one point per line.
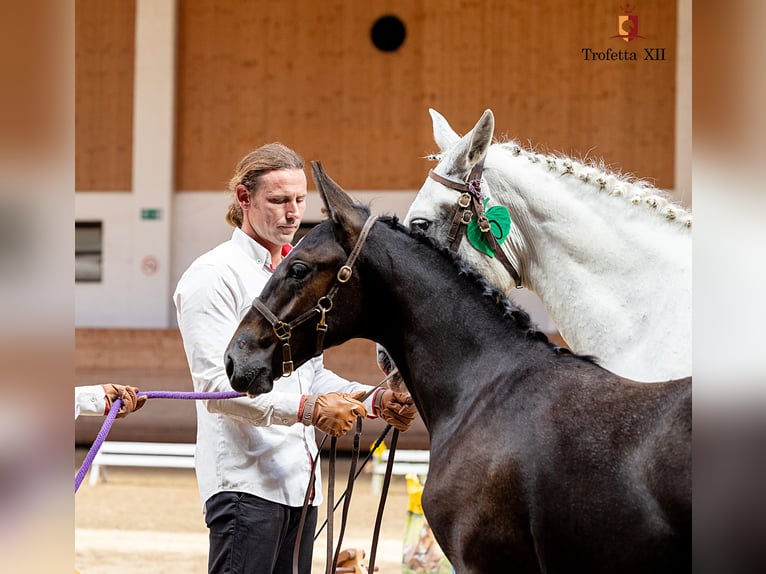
x=541 y=461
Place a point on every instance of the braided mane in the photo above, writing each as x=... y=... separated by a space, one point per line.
x=599 y=178
x=595 y=174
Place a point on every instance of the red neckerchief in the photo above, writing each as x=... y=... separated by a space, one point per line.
x=286 y=248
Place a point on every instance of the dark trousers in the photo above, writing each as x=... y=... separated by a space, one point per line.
x=250 y=535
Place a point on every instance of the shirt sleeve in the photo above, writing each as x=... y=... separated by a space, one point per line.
x=89 y=400
x=208 y=315
x=326 y=381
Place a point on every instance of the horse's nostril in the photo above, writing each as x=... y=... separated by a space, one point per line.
x=229 y=366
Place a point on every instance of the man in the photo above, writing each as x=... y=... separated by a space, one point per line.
x=254 y=455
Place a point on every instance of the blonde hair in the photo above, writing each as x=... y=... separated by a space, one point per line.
x=250 y=168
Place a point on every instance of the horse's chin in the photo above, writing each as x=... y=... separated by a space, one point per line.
x=255 y=382
x=259 y=388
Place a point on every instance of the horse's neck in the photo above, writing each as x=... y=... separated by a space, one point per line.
x=422 y=308
x=614 y=276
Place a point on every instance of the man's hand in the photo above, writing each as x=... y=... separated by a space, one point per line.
x=397 y=409
x=128 y=395
x=333 y=413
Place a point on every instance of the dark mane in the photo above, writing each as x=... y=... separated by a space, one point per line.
x=508 y=309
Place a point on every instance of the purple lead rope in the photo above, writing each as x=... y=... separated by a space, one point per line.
x=101 y=436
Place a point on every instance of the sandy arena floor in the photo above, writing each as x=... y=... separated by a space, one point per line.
x=150 y=521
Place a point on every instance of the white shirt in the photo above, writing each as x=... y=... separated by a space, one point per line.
x=252 y=445
x=89 y=400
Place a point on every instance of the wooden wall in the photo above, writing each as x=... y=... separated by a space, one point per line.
x=307 y=74
x=104 y=44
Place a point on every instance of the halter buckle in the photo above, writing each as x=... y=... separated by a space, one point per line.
x=464 y=200
x=465 y=217
x=484 y=224
x=282 y=331
x=344 y=274
x=287 y=360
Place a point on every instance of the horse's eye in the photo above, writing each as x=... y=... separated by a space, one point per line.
x=420 y=224
x=298 y=270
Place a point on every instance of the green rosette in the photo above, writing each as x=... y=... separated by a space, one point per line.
x=499 y=225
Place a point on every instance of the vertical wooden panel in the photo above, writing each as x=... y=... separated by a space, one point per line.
x=104 y=43
x=307 y=74
x=34 y=114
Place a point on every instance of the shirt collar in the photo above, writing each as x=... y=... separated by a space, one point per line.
x=255 y=250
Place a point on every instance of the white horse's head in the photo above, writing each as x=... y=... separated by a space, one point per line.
x=608 y=256
x=456 y=158
x=435 y=204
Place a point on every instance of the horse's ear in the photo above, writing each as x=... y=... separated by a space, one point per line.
x=474 y=145
x=338 y=203
x=444 y=136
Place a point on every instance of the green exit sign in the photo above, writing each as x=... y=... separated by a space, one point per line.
x=151 y=213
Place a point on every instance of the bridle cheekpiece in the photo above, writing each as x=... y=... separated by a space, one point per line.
x=283 y=330
x=470 y=204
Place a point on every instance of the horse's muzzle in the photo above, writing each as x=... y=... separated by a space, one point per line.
x=248 y=378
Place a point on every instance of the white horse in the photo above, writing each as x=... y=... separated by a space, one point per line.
x=610 y=258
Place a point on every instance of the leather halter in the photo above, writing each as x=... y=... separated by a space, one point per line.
x=469 y=204
x=283 y=330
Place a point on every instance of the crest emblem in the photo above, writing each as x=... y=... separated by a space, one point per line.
x=627 y=25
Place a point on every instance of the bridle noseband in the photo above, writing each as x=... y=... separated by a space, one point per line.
x=283 y=330
x=469 y=204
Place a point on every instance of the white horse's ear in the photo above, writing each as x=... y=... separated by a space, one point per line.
x=474 y=145
x=444 y=136
x=481 y=139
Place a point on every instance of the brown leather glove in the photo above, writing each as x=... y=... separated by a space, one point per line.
x=130 y=401
x=397 y=409
x=333 y=413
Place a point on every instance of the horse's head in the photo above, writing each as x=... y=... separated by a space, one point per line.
x=295 y=315
x=455 y=206
x=432 y=210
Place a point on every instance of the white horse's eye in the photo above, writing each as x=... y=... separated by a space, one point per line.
x=420 y=224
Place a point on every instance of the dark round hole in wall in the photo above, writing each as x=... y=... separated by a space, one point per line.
x=388 y=33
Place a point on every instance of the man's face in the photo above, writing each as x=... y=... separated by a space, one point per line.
x=275 y=210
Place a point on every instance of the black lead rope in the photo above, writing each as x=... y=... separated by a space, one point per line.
x=349 y=491
x=304 y=510
x=382 y=503
x=330 y=498
x=373 y=448
x=352 y=476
